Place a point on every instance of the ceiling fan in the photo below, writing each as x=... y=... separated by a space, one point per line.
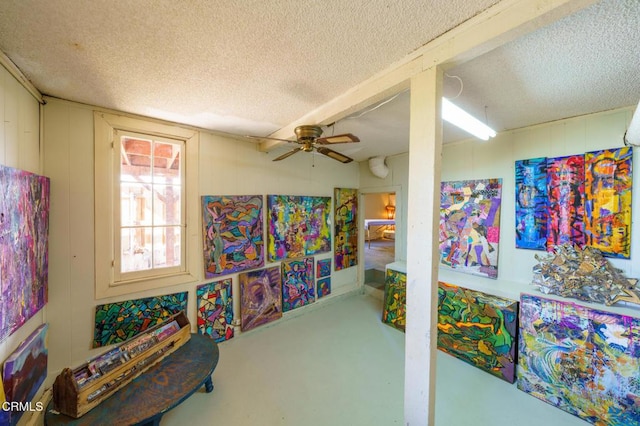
x=308 y=137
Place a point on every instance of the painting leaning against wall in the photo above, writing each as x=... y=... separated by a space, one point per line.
x=260 y=297
x=215 y=310
x=120 y=321
x=470 y=226
x=394 y=309
x=298 y=286
x=24 y=241
x=25 y=370
x=581 y=360
x=478 y=328
x=346 y=228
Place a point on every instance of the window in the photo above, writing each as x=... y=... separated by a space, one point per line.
x=145 y=175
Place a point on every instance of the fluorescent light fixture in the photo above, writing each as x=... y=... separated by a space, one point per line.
x=462 y=119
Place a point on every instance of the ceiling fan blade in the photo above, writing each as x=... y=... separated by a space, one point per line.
x=289 y=154
x=268 y=138
x=334 y=154
x=344 y=138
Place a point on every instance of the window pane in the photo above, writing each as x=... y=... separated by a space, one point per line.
x=167 y=163
x=135 y=157
x=135 y=204
x=166 y=205
x=166 y=247
x=136 y=249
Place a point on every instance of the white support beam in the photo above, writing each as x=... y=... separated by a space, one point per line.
x=499 y=24
x=425 y=152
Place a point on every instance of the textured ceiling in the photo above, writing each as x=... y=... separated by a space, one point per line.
x=243 y=66
x=585 y=63
x=252 y=67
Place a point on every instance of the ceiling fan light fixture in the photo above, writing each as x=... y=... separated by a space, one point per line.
x=462 y=119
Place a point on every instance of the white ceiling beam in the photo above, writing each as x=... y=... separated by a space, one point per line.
x=498 y=25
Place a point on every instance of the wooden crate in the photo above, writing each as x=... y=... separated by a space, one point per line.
x=78 y=390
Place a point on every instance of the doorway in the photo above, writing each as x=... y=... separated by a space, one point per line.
x=379 y=238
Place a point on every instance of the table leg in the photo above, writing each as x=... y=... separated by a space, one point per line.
x=208 y=385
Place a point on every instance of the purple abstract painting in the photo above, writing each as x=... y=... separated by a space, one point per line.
x=24 y=230
x=297 y=283
x=260 y=297
x=470 y=226
x=232 y=229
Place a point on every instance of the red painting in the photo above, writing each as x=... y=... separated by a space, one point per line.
x=565 y=189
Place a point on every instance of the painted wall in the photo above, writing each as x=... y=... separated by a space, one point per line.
x=474 y=159
x=227 y=167
x=19 y=148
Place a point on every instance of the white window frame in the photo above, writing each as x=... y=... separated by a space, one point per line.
x=108 y=281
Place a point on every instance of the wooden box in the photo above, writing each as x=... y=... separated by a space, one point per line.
x=78 y=390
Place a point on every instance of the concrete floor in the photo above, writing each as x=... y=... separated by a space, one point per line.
x=338 y=365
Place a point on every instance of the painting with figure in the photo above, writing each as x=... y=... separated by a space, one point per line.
x=24 y=242
x=581 y=360
x=531 y=203
x=478 y=328
x=298 y=226
x=394 y=308
x=232 y=230
x=260 y=297
x=324 y=287
x=25 y=370
x=298 y=284
x=470 y=226
x=215 y=310
x=323 y=268
x=608 y=201
x=346 y=228
x=565 y=189
x=120 y=321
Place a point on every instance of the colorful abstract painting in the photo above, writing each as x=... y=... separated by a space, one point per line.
x=4 y=415
x=394 y=308
x=25 y=370
x=260 y=297
x=215 y=310
x=608 y=201
x=324 y=287
x=565 y=189
x=24 y=236
x=470 y=226
x=531 y=203
x=346 y=228
x=584 y=361
x=298 y=226
x=478 y=328
x=232 y=229
x=323 y=268
x=120 y=321
x=298 y=285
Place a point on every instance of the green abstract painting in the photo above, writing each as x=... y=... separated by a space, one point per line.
x=478 y=328
x=394 y=310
